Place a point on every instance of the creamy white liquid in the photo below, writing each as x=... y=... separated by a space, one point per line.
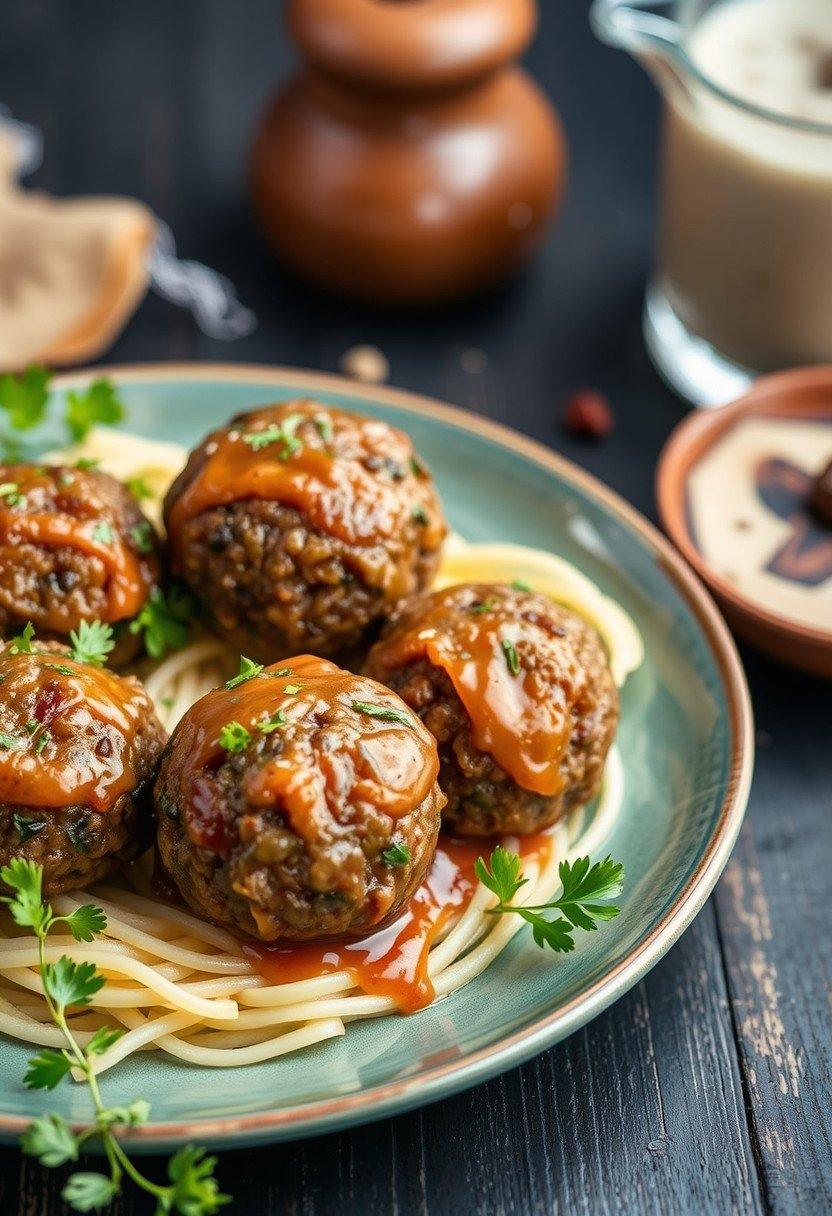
x=746 y=243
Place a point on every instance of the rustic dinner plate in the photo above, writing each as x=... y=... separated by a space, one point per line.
x=685 y=739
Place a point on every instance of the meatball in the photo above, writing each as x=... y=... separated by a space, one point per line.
x=298 y=526
x=74 y=546
x=78 y=750
x=518 y=694
x=299 y=803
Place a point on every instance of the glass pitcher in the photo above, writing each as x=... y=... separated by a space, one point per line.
x=742 y=281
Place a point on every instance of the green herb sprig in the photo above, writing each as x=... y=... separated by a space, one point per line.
x=284 y=435
x=248 y=670
x=165 y=620
x=92 y=642
x=24 y=399
x=191 y=1189
x=383 y=712
x=587 y=890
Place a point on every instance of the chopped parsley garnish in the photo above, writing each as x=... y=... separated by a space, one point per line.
x=24 y=397
x=584 y=899
x=10 y=743
x=22 y=643
x=248 y=670
x=138 y=487
x=485 y=605
x=420 y=515
x=324 y=427
x=60 y=667
x=291 y=689
x=385 y=712
x=234 y=737
x=279 y=673
x=519 y=585
x=142 y=536
x=164 y=620
x=98 y=403
x=102 y=533
x=32 y=726
x=191 y=1189
x=397 y=855
x=92 y=642
x=272 y=723
x=283 y=435
x=44 y=737
x=416 y=468
x=27 y=828
x=10 y=493
x=510 y=652
x=87 y=463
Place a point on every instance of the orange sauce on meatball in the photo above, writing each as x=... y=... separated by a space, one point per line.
x=369 y=750
x=393 y=961
x=353 y=478
x=58 y=508
x=489 y=640
x=68 y=731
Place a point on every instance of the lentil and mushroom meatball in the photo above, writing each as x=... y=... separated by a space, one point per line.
x=79 y=747
x=301 y=803
x=518 y=694
x=74 y=546
x=298 y=526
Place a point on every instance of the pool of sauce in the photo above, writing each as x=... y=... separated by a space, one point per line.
x=393 y=961
x=69 y=738
x=61 y=510
x=361 y=488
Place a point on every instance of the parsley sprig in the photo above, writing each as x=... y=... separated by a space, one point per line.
x=92 y=642
x=165 y=620
x=24 y=400
x=191 y=1189
x=284 y=435
x=585 y=898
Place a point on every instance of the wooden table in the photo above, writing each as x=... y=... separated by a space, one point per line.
x=707 y=1089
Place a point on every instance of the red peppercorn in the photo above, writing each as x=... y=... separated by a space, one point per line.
x=588 y=413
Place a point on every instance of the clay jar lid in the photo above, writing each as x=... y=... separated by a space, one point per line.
x=738 y=494
x=405 y=45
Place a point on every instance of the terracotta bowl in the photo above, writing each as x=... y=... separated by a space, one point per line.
x=733 y=488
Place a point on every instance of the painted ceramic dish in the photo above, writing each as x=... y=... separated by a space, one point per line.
x=735 y=489
x=685 y=740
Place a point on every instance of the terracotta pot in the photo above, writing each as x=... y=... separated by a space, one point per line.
x=410 y=161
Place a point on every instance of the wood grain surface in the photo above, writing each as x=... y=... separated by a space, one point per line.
x=707 y=1089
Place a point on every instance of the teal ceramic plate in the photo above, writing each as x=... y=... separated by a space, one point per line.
x=685 y=739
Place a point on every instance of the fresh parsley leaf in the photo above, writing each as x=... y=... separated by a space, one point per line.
x=102 y=1041
x=10 y=493
x=510 y=652
x=248 y=670
x=194 y=1189
x=98 y=403
x=284 y=434
x=487 y=605
x=92 y=642
x=385 y=712
x=10 y=743
x=420 y=515
x=24 y=397
x=86 y=1192
x=26 y=905
x=323 y=424
x=397 y=855
x=234 y=737
x=102 y=533
x=22 y=643
x=519 y=585
x=87 y=464
x=291 y=689
x=27 y=828
x=416 y=468
x=165 y=620
x=85 y=922
x=134 y=1115
x=47 y=1069
x=142 y=536
x=70 y=983
x=271 y=724
x=43 y=738
x=583 y=886
x=60 y=667
x=138 y=487
x=51 y=1140
x=501 y=875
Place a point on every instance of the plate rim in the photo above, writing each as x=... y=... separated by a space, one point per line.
x=444 y=1079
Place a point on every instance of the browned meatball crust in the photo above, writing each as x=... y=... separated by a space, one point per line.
x=74 y=546
x=80 y=749
x=503 y=638
x=302 y=542
x=290 y=835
